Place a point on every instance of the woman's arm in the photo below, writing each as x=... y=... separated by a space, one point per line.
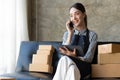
x=91 y=49
x=68 y=35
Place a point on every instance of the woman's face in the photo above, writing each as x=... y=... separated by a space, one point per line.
x=76 y=16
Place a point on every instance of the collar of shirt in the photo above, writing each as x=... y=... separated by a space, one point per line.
x=82 y=32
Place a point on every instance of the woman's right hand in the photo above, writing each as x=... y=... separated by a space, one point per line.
x=69 y=29
x=70 y=32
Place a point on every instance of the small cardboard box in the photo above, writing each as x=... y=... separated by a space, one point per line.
x=41 y=68
x=42 y=59
x=44 y=52
x=105 y=70
x=46 y=47
x=109 y=58
x=109 y=48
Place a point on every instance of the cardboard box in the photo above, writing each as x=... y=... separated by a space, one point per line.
x=109 y=58
x=42 y=59
x=46 y=47
x=108 y=48
x=106 y=70
x=44 y=52
x=40 y=68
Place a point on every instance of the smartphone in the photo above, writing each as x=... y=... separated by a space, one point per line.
x=71 y=24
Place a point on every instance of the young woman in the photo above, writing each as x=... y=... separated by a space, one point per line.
x=70 y=66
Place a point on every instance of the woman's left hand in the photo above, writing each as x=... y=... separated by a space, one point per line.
x=81 y=58
x=67 y=52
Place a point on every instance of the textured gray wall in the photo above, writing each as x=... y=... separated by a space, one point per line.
x=51 y=16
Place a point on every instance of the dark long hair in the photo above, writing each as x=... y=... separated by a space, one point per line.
x=80 y=7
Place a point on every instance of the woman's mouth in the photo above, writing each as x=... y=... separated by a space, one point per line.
x=75 y=22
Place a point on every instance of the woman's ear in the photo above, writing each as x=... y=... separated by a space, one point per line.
x=84 y=14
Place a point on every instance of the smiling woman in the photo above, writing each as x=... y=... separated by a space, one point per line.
x=13 y=29
x=73 y=65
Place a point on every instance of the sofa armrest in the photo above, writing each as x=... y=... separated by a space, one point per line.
x=27 y=49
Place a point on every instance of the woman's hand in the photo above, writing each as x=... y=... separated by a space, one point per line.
x=67 y=52
x=70 y=32
x=81 y=58
x=69 y=29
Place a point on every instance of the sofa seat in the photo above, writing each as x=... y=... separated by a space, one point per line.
x=28 y=76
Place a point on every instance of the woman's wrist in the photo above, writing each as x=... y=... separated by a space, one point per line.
x=81 y=58
x=69 y=38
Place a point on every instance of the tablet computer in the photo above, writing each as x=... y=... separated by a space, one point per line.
x=79 y=50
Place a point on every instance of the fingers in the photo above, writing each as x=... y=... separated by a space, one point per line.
x=66 y=51
x=74 y=51
x=67 y=23
x=62 y=50
x=66 y=48
x=69 y=29
x=81 y=58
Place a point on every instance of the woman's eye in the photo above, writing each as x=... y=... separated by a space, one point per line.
x=77 y=13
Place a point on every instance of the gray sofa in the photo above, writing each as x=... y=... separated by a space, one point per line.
x=28 y=48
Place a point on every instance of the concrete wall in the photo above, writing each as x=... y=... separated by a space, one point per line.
x=49 y=18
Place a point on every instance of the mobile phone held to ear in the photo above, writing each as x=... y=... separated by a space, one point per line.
x=71 y=24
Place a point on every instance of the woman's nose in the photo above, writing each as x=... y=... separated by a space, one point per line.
x=74 y=17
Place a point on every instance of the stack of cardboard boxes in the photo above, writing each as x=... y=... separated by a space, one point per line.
x=42 y=61
x=108 y=61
